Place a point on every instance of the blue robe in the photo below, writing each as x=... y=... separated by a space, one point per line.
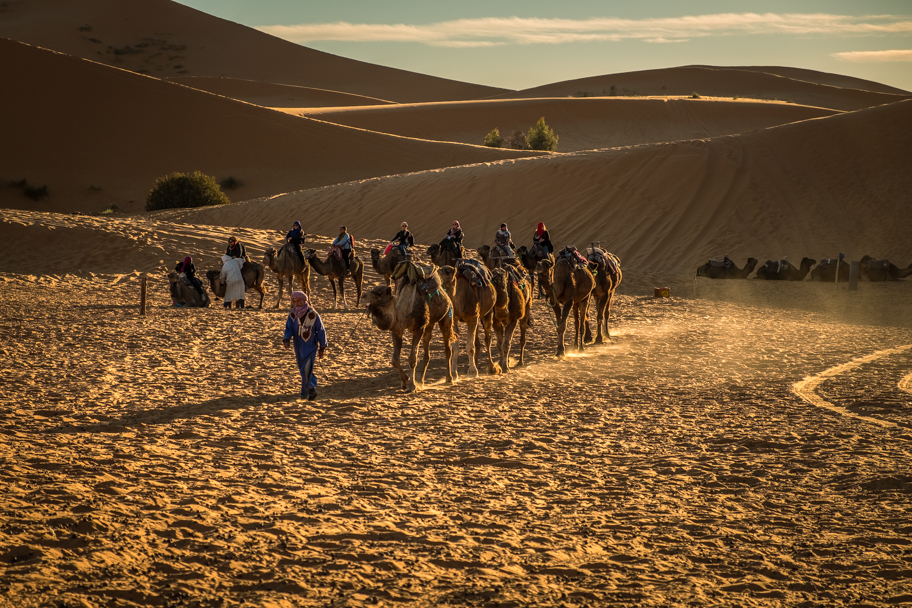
x=306 y=351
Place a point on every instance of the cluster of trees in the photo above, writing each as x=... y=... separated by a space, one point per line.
x=539 y=137
x=185 y=190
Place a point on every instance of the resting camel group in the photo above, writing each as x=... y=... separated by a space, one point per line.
x=870 y=269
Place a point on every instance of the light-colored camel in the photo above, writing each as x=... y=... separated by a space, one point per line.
x=782 y=270
x=473 y=304
x=512 y=307
x=414 y=309
x=384 y=265
x=285 y=263
x=726 y=269
x=254 y=275
x=444 y=257
x=334 y=270
x=607 y=278
x=185 y=294
x=881 y=270
x=568 y=286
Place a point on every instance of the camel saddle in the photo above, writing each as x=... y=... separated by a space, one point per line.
x=425 y=278
x=882 y=265
x=474 y=271
x=515 y=275
x=609 y=260
x=572 y=255
x=720 y=262
x=502 y=251
x=828 y=263
x=776 y=266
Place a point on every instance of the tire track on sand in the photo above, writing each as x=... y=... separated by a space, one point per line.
x=805 y=388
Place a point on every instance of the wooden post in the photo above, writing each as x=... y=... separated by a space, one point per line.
x=142 y=296
x=854 y=270
x=838 y=264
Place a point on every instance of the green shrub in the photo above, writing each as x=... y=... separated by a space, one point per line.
x=493 y=139
x=230 y=183
x=34 y=192
x=694 y=95
x=516 y=141
x=185 y=190
x=541 y=137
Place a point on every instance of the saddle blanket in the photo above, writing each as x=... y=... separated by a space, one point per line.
x=476 y=269
x=720 y=262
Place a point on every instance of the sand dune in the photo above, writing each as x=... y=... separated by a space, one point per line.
x=815 y=188
x=581 y=124
x=715 y=82
x=827 y=78
x=272 y=95
x=164 y=38
x=114 y=132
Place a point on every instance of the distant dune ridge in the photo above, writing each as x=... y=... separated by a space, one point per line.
x=664 y=181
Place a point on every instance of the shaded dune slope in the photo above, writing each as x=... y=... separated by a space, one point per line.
x=715 y=82
x=581 y=124
x=827 y=78
x=273 y=95
x=119 y=131
x=164 y=38
x=816 y=188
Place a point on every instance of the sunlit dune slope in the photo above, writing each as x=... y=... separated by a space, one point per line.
x=581 y=124
x=98 y=136
x=164 y=38
x=714 y=82
x=816 y=188
x=272 y=95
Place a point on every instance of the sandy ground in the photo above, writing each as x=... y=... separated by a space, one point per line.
x=166 y=460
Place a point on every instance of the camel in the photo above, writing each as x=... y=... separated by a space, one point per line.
x=254 y=275
x=419 y=304
x=513 y=307
x=185 y=294
x=783 y=270
x=726 y=269
x=473 y=303
x=826 y=271
x=286 y=263
x=384 y=265
x=881 y=270
x=444 y=257
x=529 y=258
x=333 y=268
x=493 y=258
x=607 y=278
x=569 y=287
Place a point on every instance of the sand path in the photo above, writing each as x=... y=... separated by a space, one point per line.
x=165 y=459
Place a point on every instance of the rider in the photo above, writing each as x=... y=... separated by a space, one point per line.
x=405 y=240
x=236 y=249
x=189 y=271
x=296 y=237
x=502 y=238
x=453 y=239
x=344 y=244
x=541 y=237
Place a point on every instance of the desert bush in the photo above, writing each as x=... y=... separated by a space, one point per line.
x=516 y=141
x=694 y=95
x=541 y=137
x=493 y=139
x=185 y=190
x=230 y=183
x=111 y=210
x=35 y=192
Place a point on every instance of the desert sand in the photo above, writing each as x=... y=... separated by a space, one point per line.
x=742 y=443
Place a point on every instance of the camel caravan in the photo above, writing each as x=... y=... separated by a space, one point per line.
x=870 y=269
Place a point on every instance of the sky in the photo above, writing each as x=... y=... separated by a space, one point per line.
x=518 y=44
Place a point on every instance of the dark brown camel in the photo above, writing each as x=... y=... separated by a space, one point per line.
x=286 y=264
x=512 y=307
x=607 y=278
x=473 y=304
x=492 y=258
x=529 y=258
x=726 y=269
x=414 y=309
x=254 y=277
x=882 y=270
x=334 y=269
x=826 y=271
x=384 y=265
x=783 y=270
x=569 y=287
x=444 y=257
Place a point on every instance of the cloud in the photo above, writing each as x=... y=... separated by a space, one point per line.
x=874 y=56
x=526 y=31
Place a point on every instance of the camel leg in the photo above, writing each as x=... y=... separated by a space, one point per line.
x=397 y=363
x=523 y=324
x=332 y=284
x=499 y=332
x=562 y=327
x=493 y=368
x=279 y=294
x=417 y=335
x=505 y=347
x=607 y=314
x=471 y=335
x=447 y=329
x=260 y=288
x=342 y=291
x=358 y=279
x=453 y=371
x=578 y=326
x=582 y=318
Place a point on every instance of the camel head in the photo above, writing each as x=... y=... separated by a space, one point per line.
x=269 y=258
x=484 y=251
x=375 y=256
x=381 y=302
x=807 y=262
x=433 y=250
x=447 y=276
x=752 y=263
x=544 y=266
x=173 y=277
x=310 y=254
